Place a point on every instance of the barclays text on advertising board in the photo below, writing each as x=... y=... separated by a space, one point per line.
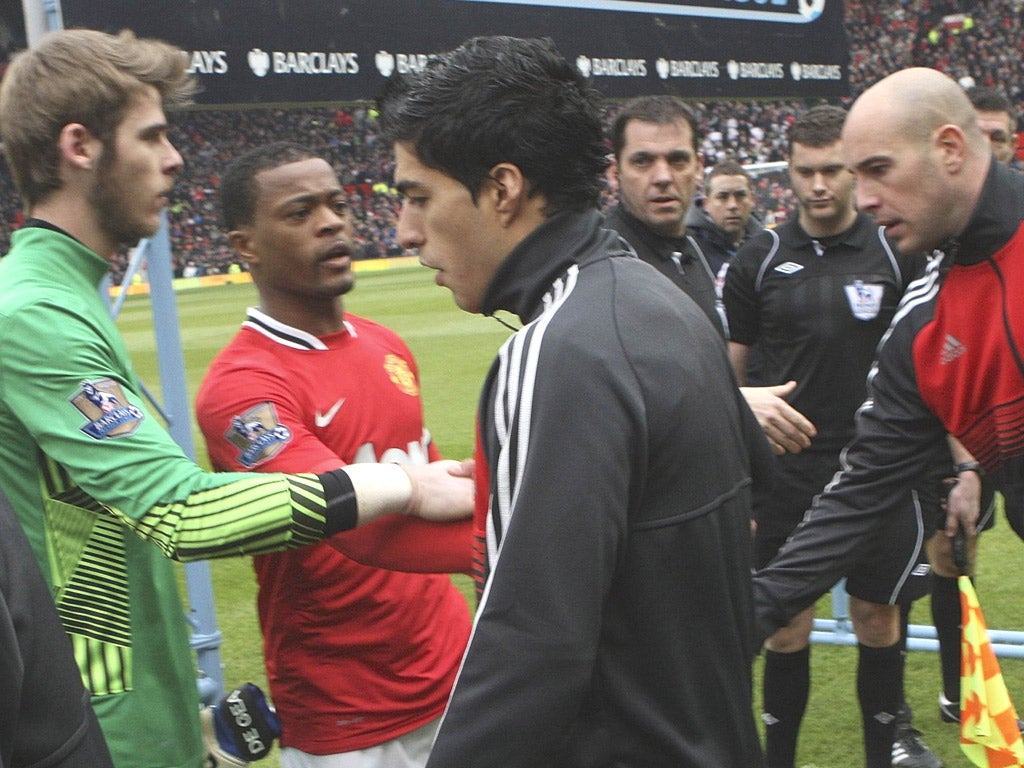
x=322 y=51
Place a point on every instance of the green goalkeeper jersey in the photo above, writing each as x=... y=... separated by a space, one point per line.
x=106 y=498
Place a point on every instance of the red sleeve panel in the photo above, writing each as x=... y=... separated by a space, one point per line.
x=966 y=374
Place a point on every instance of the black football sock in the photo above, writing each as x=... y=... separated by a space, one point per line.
x=905 y=716
x=787 y=680
x=946 y=617
x=880 y=692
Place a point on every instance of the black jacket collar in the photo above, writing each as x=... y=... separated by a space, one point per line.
x=996 y=218
x=642 y=236
x=564 y=239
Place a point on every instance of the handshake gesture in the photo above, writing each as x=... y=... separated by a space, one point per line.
x=441 y=490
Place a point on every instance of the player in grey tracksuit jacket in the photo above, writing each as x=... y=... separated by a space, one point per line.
x=614 y=466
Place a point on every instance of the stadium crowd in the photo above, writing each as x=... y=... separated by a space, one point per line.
x=976 y=41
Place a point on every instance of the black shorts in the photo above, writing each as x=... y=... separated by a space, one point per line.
x=893 y=567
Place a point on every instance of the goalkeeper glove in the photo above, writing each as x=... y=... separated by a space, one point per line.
x=239 y=728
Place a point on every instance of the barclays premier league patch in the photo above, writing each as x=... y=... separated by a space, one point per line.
x=257 y=434
x=110 y=414
x=865 y=299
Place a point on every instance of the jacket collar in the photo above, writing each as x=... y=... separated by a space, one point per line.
x=996 y=217
x=641 y=235
x=524 y=276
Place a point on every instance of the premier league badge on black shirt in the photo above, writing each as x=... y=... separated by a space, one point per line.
x=110 y=414
x=865 y=299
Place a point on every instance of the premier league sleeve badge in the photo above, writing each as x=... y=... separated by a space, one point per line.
x=257 y=434
x=104 y=404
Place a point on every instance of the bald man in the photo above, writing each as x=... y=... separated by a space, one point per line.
x=953 y=359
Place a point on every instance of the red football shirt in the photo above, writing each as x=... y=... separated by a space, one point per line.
x=356 y=655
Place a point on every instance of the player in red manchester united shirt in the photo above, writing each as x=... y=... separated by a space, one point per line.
x=360 y=659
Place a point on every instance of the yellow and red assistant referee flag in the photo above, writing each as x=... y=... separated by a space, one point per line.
x=988 y=722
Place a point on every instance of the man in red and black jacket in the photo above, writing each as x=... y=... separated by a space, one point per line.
x=952 y=360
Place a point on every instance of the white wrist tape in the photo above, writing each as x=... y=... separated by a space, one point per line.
x=380 y=489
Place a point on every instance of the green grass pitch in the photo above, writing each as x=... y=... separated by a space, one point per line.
x=454 y=351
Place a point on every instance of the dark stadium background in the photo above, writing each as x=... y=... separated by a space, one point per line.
x=981 y=40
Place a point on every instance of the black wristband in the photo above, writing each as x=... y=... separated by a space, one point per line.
x=969 y=466
x=342 y=512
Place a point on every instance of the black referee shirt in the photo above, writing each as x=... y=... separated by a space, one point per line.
x=816 y=310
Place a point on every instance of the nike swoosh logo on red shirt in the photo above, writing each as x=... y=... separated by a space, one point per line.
x=323 y=419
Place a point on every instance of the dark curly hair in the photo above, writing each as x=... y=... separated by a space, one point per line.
x=502 y=99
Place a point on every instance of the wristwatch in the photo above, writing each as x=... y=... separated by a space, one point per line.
x=968 y=466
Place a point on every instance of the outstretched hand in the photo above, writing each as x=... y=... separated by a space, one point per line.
x=787 y=430
x=441 y=490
